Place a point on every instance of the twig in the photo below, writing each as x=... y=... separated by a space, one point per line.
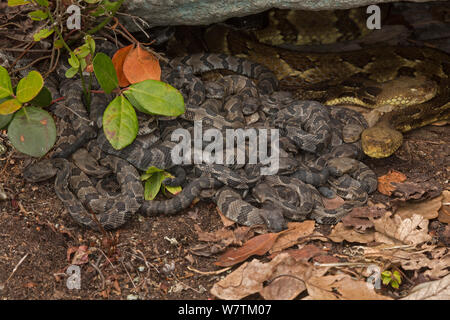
x=343 y=264
x=126 y=270
x=207 y=273
x=33 y=62
x=21 y=50
x=15 y=268
x=100 y=273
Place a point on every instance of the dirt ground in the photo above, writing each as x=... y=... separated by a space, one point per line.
x=150 y=257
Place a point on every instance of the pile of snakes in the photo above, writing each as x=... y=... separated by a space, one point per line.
x=319 y=152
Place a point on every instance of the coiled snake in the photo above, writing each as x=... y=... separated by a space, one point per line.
x=306 y=128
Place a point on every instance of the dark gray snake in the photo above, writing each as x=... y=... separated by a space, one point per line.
x=311 y=140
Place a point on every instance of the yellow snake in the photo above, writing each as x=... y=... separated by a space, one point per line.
x=412 y=81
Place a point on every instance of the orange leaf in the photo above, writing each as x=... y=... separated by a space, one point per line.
x=118 y=60
x=258 y=245
x=140 y=65
x=384 y=182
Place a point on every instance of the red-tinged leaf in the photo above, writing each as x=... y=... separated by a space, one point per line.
x=140 y=65
x=384 y=182
x=118 y=59
x=258 y=245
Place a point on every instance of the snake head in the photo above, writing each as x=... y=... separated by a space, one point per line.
x=273 y=219
x=40 y=171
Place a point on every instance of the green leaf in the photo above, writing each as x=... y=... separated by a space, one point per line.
x=90 y=42
x=397 y=277
x=73 y=61
x=5 y=83
x=173 y=190
x=10 y=106
x=58 y=44
x=43 y=3
x=105 y=72
x=38 y=15
x=386 y=273
x=43 y=99
x=153 y=169
x=156 y=97
x=29 y=87
x=32 y=131
x=394 y=284
x=5 y=119
x=105 y=6
x=70 y=73
x=13 y=3
x=82 y=51
x=386 y=280
x=120 y=123
x=92 y=1
x=153 y=185
x=42 y=34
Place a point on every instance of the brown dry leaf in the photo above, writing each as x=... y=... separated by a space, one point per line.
x=341 y=287
x=325 y=258
x=303 y=254
x=384 y=182
x=140 y=65
x=258 y=245
x=415 y=191
x=444 y=212
x=433 y=290
x=395 y=230
x=341 y=233
x=290 y=237
x=250 y=277
x=358 y=218
x=80 y=255
x=207 y=249
x=427 y=209
x=118 y=59
x=226 y=222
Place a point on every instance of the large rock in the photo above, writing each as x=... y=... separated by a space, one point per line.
x=198 y=12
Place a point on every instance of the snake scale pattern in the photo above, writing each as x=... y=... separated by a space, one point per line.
x=320 y=147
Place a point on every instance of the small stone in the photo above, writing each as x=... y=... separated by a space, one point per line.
x=132 y=297
x=141 y=268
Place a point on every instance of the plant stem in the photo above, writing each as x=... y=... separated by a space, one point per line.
x=106 y=20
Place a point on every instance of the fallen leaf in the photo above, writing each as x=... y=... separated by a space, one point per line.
x=80 y=255
x=118 y=60
x=140 y=65
x=341 y=233
x=303 y=254
x=326 y=258
x=384 y=182
x=427 y=209
x=284 y=274
x=444 y=212
x=395 y=230
x=405 y=191
x=290 y=237
x=433 y=290
x=258 y=245
x=341 y=287
x=358 y=218
x=226 y=222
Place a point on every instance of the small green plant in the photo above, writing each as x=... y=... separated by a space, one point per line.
x=391 y=278
x=154 y=178
x=31 y=129
x=120 y=123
